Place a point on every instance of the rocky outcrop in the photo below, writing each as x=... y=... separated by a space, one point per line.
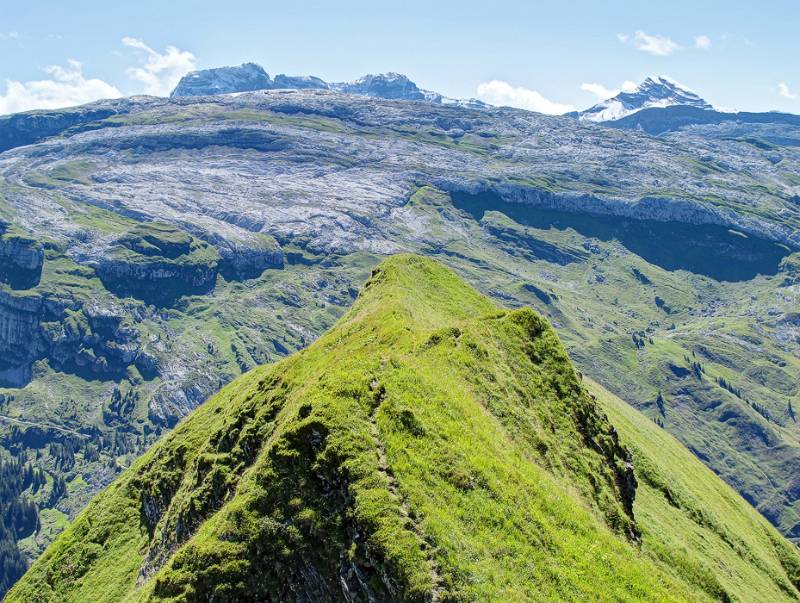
x=19 y=337
x=299 y=82
x=790 y=269
x=159 y=263
x=84 y=340
x=91 y=341
x=657 y=209
x=250 y=77
x=27 y=128
x=382 y=85
x=223 y=80
x=21 y=260
x=249 y=259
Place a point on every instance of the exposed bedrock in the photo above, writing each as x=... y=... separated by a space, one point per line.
x=158 y=263
x=19 y=341
x=21 y=259
x=88 y=341
x=241 y=260
x=701 y=247
x=25 y=128
x=658 y=209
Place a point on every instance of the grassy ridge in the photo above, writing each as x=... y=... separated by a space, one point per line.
x=431 y=446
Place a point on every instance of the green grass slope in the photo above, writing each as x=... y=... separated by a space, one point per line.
x=430 y=447
x=694 y=522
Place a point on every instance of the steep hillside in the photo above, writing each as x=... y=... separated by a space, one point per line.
x=756 y=126
x=430 y=447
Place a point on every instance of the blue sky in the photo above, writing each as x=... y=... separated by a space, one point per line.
x=542 y=55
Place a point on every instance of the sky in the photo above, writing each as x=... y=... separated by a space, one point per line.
x=544 y=56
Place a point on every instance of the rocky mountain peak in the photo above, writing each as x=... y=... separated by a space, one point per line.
x=223 y=80
x=383 y=85
x=250 y=77
x=655 y=91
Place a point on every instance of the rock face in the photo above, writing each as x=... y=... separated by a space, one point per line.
x=223 y=80
x=659 y=120
x=384 y=85
x=657 y=91
x=19 y=337
x=250 y=77
x=243 y=78
x=159 y=263
x=299 y=82
x=21 y=260
x=81 y=340
x=93 y=342
x=26 y=128
x=248 y=260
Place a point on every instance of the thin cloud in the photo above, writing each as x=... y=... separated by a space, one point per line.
x=702 y=42
x=785 y=92
x=9 y=35
x=66 y=87
x=603 y=93
x=654 y=44
x=498 y=92
x=159 y=73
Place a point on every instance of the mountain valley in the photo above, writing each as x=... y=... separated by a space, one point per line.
x=155 y=249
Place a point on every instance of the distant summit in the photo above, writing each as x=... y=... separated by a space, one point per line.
x=383 y=85
x=223 y=80
x=657 y=92
x=250 y=77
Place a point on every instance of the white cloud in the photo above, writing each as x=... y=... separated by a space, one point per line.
x=702 y=42
x=66 y=88
x=785 y=92
x=602 y=93
x=497 y=92
x=159 y=73
x=654 y=44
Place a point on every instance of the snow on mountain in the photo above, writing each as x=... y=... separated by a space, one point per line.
x=223 y=80
x=249 y=77
x=656 y=91
x=382 y=85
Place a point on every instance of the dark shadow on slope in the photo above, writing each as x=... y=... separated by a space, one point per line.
x=712 y=251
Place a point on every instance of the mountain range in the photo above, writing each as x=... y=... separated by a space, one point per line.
x=154 y=249
x=653 y=92
x=249 y=77
x=657 y=105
